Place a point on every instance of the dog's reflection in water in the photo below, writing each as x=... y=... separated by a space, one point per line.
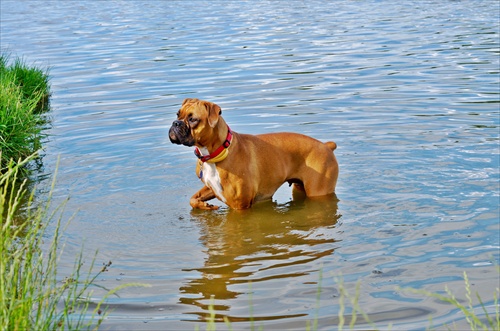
x=268 y=242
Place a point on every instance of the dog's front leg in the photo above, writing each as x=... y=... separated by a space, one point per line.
x=198 y=200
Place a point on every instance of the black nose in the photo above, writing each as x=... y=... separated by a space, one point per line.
x=177 y=123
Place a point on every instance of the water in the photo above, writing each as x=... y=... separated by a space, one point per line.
x=408 y=91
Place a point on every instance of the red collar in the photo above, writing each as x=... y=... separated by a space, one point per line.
x=218 y=151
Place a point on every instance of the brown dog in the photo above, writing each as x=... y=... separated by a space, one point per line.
x=240 y=169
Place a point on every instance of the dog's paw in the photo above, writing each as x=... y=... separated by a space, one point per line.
x=199 y=204
x=211 y=207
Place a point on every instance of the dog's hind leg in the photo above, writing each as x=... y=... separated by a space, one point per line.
x=322 y=181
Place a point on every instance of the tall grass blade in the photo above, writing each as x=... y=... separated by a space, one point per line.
x=32 y=297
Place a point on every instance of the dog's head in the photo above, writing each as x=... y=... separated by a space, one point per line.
x=195 y=124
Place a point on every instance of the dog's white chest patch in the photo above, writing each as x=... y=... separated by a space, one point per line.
x=210 y=176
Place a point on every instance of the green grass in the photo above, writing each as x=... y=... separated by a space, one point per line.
x=32 y=294
x=30 y=291
x=24 y=95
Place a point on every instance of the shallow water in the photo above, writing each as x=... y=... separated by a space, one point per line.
x=408 y=91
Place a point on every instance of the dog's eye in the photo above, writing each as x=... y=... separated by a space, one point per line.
x=192 y=121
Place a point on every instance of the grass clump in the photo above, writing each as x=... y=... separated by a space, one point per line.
x=24 y=95
x=32 y=295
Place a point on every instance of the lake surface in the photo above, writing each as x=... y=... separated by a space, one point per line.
x=408 y=91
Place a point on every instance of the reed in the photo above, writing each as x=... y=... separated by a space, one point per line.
x=24 y=95
x=476 y=314
x=32 y=294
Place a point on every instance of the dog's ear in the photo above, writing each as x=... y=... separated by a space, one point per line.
x=189 y=100
x=214 y=112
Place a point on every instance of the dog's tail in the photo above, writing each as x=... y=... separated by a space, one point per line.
x=331 y=145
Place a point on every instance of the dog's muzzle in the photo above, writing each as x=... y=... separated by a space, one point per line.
x=180 y=134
